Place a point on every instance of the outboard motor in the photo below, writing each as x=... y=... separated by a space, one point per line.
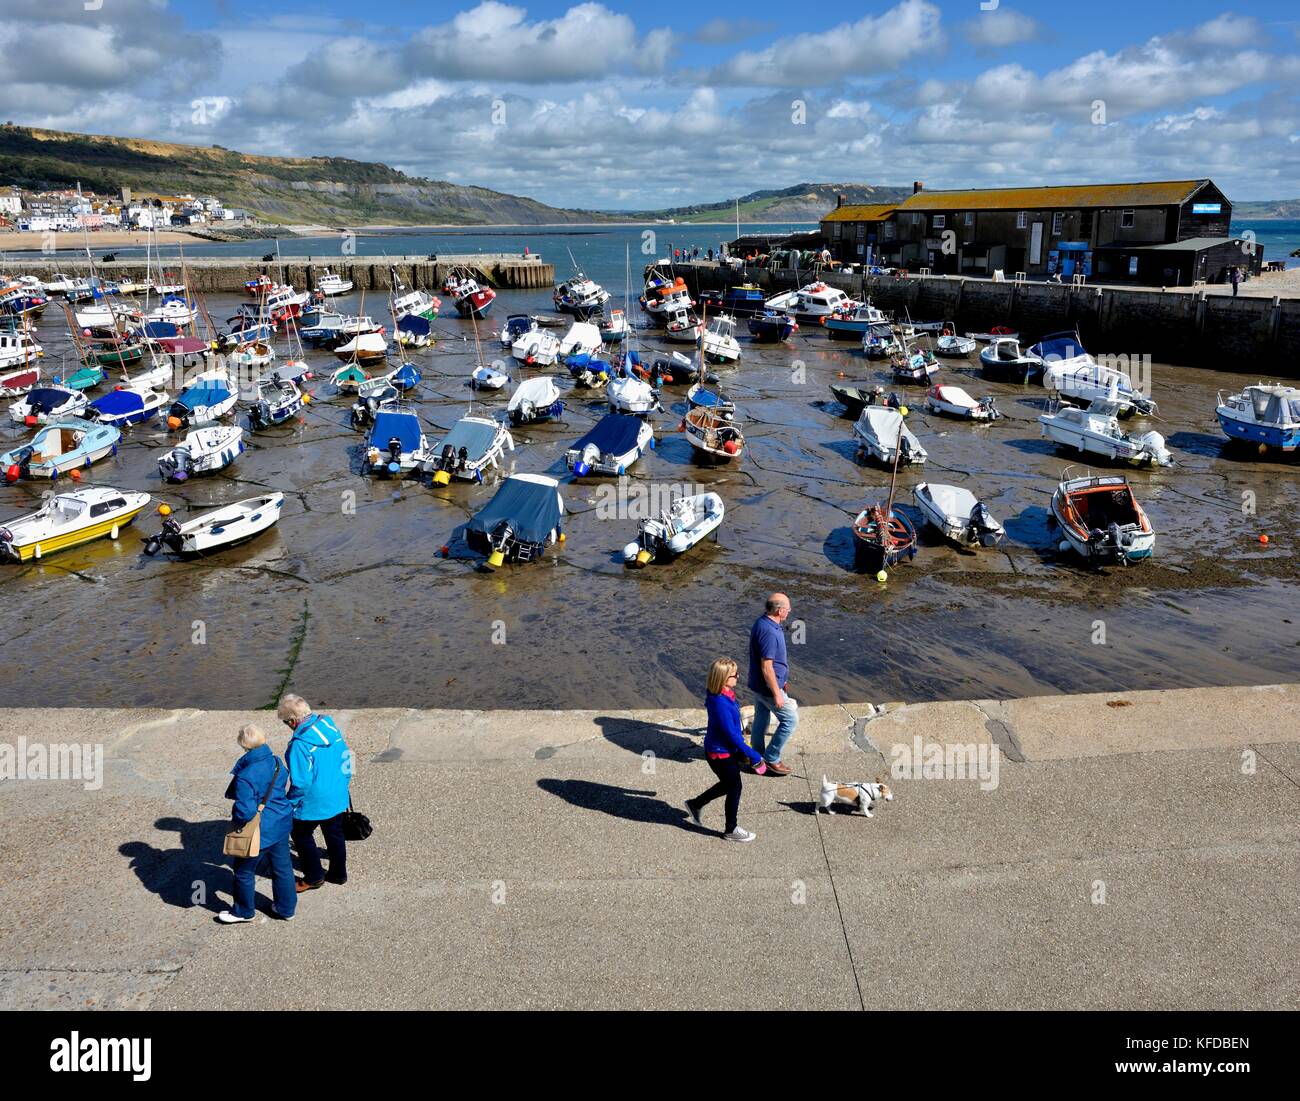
x=395 y=449
x=982 y=526
x=1115 y=542
x=989 y=405
x=170 y=534
x=893 y=401
x=7 y=547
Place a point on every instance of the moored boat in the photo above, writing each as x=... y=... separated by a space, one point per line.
x=958 y=515
x=953 y=401
x=714 y=437
x=520 y=522
x=202 y=451
x=688 y=521
x=217 y=528
x=42 y=404
x=1102 y=520
x=718 y=342
x=535 y=399
x=208 y=397
x=472 y=446
x=852 y=321
x=1266 y=415
x=883 y=536
x=1096 y=430
x=883 y=436
x=611 y=447
x=126 y=406
x=770 y=326
x=397 y=444
x=331 y=285
x=62 y=446
x=69 y=520
x=274 y=401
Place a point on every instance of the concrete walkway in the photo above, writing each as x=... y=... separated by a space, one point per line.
x=1139 y=850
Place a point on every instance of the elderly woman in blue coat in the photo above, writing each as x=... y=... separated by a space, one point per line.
x=255 y=773
x=320 y=768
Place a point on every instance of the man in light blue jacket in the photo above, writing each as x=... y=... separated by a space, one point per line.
x=320 y=773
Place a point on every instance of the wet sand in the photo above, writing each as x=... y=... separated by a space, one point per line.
x=356 y=608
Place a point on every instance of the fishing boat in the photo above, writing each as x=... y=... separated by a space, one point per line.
x=64 y=445
x=881 y=340
x=719 y=341
x=852 y=322
x=13 y=383
x=581 y=342
x=217 y=528
x=1102 y=520
x=816 y=302
x=957 y=515
x=208 y=397
x=413 y=303
x=471 y=446
x=365 y=409
x=413 y=332
x=61 y=283
x=332 y=285
x=997 y=332
x=472 y=300
x=684 y=328
x=740 y=300
x=883 y=536
x=126 y=406
x=540 y=348
x=1266 y=414
x=700 y=396
x=173 y=309
x=42 y=404
x=883 y=436
x=328 y=328
x=364 y=348
x=580 y=297
x=612 y=327
x=274 y=402
x=953 y=401
x=611 y=447
x=484 y=377
x=914 y=367
x=20 y=302
x=260 y=286
x=348 y=378
x=202 y=451
x=397 y=444
x=1096 y=430
x=1082 y=381
x=629 y=394
x=1003 y=361
x=665 y=297
x=68 y=520
x=688 y=521
x=535 y=399
x=18 y=348
x=284 y=303
x=520 y=522
x=714 y=437
x=770 y=326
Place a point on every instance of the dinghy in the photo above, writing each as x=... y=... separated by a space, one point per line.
x=202 y=451
x=539 y=348
x=484 y=377
x=535 y=399
x=953 y=401
x=1096 y=430
x=274 y=403
x=218 y=528
x=688 y=521
x=85 y=378
x=582 y=340
x=855 y=398
x=69 y=520
x=63 y=445
x=516 y=325
x=363 y=348
x=700 y=396
x=883 y=436
x=43 y=404
x=632 y=395
x=771 y=326
x=1266 y=415
x=365 y=409
x=719 y=341
x=397 y=444
x=879 y=543
x=950 y=344
x=520 y=522
x=714 y=437
x=997 y=332
x=611 y=447
x=127 y=405
x=684 y=328
x=914 y=368
x=1003 y=361
x=209 y=397
x=348 y=380
x=957 y=515
x=473 y=445
x=1102 y=520
x=254 y=355
x=14 y=383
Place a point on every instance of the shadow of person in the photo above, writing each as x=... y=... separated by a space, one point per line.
x=633 y=804
x=639 y=736
x=175 y=875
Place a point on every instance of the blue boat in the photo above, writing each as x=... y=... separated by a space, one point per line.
x=520 y=522
x=123 y=407
x=60 y=447
x=772 y=326
x=414 y=331
x=397 y=444
x=156 y=330
x=853 y=325
x=406 y=377
x=742 y=300
x=1265 y=415
x=208 y=398
x=700 y=396
x=613 y=445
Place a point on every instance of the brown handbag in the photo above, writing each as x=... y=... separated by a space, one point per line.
x=246 y=840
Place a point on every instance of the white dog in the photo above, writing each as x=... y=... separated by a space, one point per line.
x=859 y=796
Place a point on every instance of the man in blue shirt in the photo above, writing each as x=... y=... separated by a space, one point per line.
x=768 y=671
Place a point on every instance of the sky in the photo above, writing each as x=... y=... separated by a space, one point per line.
x=619 y=106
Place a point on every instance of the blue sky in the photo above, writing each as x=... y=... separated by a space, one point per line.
x=616 y=106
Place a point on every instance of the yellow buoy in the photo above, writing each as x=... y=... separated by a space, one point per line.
x=496 y=558
x=441 y=478
x=563 y=537
x=882 y=576
x=903 y=410
x=164 y=510
x=642 y=557
x=306 y=399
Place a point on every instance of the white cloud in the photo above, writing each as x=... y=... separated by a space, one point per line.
x=1001 y=27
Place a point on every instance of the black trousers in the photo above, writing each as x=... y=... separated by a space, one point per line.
x=304 y=841
x=727 y=770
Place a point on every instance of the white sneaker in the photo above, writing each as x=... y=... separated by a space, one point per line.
x=693 y=812
x=229 y=917
x=739 y=834
x=280 y=915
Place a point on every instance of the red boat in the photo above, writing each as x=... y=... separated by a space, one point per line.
x=13 y=383
x=263 y=284
x=473 y=300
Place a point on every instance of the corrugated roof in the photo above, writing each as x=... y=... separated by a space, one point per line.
x=1192 y=244
x=1159 y=193
x=870 y=212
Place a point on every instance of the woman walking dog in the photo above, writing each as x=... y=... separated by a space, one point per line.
x=726 y=749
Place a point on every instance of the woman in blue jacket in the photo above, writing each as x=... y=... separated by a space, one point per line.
x=255 y=773
x=320 y=767
x=726 y=749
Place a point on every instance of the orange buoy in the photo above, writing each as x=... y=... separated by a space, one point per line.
x=1264 y=539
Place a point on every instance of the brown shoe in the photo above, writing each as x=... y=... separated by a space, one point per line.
x=779 y=769
x=302 y=885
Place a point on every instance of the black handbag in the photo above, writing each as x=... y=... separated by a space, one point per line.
x=356 y=826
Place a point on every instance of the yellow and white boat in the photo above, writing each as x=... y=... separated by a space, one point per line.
x=68 y=520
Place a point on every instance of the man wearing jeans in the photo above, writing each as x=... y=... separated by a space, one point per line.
x=768 y=670
x=320 y=772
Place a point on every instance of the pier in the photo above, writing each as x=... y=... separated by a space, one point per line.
x=501 y=271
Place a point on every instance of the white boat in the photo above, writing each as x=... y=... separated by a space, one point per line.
x=62 y=446
x=664 y=296
x=473 y=445
x=397 y=444
x=15 y=381
x=1003 y=361
x=882 y=435
x=1266 y=415
x=582 y=339
x=107 y=314
x=414 y=303
x=631 y=395
x=537 y=348
x=950 y=344
x=882 y=339
x=202 y=451
x=714 y=437
x=719 y=340
x=684 y=327
x=18 y=349
x=815 y=302
x=958 y=515
x=1102 y=520
x=953 y=401
x=60 y=283
x=1084 y=382
x=363 y=348
x=217 y=528
x=255 y=354
x=484 y=377
x=173 y=310
x=274 y=402
x=1096 y=430
x=535 y=399
x=156 y=376
x=331 y=285
x=688 y=521
x=69 y=520
x=42 y=404
x=611 y=447
x=207 y=397
x=580 y=296
x=613 y=327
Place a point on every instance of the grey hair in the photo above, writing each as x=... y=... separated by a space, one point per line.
x=776 y=602
x=250 y=737
x=292 y=707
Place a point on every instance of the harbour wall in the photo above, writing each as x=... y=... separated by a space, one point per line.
x=1259 y=336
